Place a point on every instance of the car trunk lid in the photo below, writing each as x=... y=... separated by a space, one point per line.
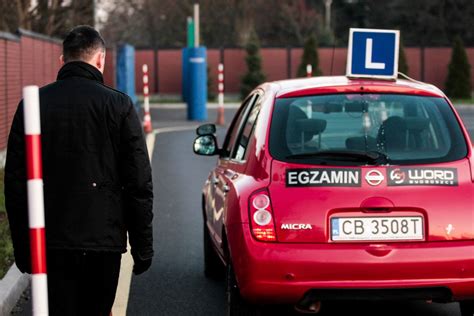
x=305 y=198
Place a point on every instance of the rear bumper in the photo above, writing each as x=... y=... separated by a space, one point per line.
x=286 y=273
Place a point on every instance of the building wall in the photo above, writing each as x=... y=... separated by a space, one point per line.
x=277 y=63
x=31 y=58
x=26 y=59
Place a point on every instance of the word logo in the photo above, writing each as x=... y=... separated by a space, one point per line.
x=423 y=176
x=397 y=176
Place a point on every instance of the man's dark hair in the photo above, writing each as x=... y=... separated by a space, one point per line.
x=81 y=43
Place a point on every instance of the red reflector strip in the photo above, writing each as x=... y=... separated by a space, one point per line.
x=33 y=157
x=38 y=250
x=267 y=234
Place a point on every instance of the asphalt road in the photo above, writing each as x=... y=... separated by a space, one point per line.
x=467 y=115
x=175 y=284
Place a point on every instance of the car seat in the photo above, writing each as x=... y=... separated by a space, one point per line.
x=361 y=143
x=300 y=129
x=416 y=126
x=392 y=135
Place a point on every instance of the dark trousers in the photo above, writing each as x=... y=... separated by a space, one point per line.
x=82 y=283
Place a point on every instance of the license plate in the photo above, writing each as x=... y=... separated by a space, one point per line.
x=377 y=228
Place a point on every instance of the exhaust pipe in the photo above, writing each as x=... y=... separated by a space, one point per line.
x=313 y=308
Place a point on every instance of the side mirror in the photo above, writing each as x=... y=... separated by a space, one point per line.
x=206 y=145
x=206 y=129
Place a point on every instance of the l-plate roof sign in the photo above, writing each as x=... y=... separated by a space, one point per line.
x=373 y=53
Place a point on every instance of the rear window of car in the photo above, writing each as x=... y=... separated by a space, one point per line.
x=342 y=129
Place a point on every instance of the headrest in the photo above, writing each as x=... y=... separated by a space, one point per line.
x=311 y=126
x=394 y=123
x=417 y=123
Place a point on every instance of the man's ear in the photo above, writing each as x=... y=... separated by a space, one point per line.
x=61 y=60
x=100 y=61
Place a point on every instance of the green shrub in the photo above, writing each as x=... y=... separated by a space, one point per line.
x=254 y=75
x=402 y=59
x=458 y=82
x=310 y=57
x=6 y=248
x=211 y=93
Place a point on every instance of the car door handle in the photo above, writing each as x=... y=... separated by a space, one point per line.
x=225 y=188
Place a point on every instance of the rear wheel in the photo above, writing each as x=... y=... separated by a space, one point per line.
x=236 y=305
x=213 y=267
x=467 y=308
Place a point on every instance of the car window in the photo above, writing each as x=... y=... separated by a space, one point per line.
x=229 y=142
x=406 y=129
x=246 y=131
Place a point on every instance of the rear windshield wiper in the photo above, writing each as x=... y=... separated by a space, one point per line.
x=374 y=157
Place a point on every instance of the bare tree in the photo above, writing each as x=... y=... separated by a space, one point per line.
x=15 y=14
x=49 y=17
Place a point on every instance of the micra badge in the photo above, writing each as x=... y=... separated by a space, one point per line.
x=296 y=226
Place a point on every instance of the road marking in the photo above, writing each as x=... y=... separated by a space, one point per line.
x=125 y=279
x=123 y=288
x=174 y=129
x=150 y=144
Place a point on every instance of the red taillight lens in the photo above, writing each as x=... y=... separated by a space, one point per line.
x=261 y=217
x=261 y=201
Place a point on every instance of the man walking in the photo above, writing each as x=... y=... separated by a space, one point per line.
x=97 y=182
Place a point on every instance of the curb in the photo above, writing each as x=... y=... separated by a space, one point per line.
x=12 y=286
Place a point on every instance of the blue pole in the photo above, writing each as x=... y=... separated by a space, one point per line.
x=197 y=75
x=125 y=73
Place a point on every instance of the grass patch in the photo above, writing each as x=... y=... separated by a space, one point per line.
x=6 y=247
x=463 y=101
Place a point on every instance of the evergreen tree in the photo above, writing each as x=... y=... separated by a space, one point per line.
x=458 y=82
x=310 y=57
x=402 y=59
x=211 y=93
x=254 y=75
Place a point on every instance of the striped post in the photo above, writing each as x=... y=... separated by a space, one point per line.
x=309 y=70
x=146 y=101
x=39 y=282
x=220 y=97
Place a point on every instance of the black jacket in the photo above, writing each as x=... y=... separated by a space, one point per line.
x=96 y=170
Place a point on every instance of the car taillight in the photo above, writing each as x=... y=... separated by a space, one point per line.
x=261 y=216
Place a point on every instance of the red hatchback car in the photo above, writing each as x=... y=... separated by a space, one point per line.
x=333 y=188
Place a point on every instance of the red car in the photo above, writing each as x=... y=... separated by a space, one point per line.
x=329 y=188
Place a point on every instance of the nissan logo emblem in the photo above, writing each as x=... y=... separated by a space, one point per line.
x=374 y=177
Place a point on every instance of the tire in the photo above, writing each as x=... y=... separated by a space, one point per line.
x=467 y=308
x=213 y=266
x=236 y=305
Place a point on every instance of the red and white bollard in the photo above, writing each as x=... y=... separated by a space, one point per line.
x=220 y=97
x=39 y=282
x=309 y=70
x=146 y=101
